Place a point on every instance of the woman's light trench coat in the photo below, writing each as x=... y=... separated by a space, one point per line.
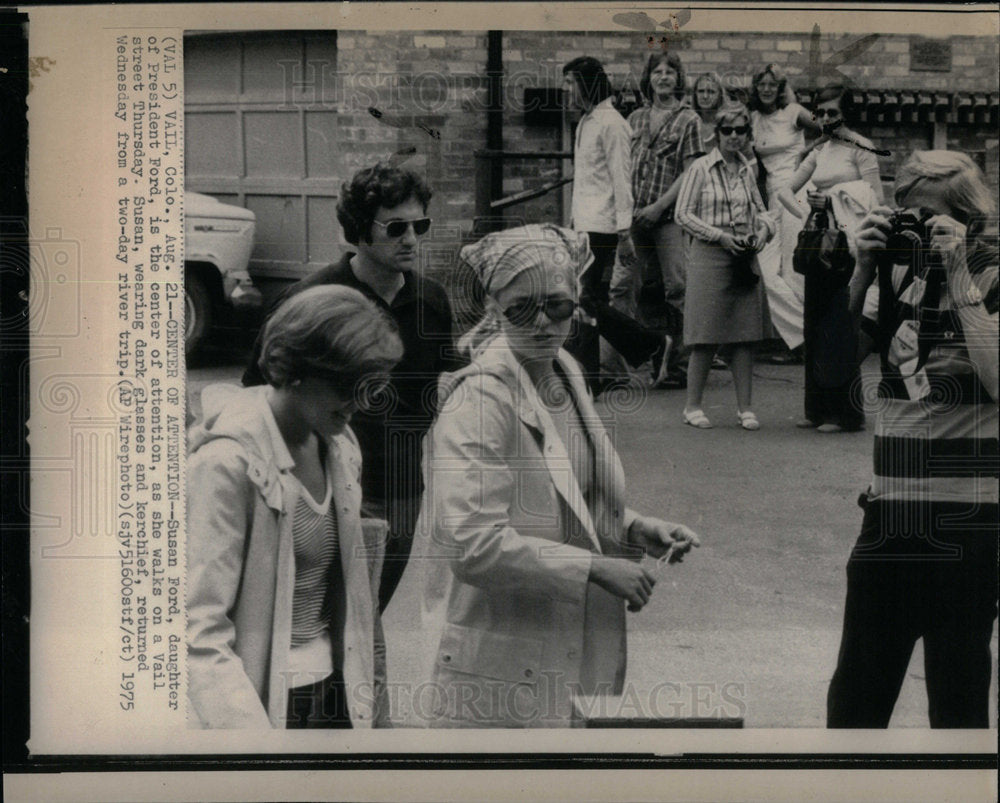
x=513 y=628
x=241 y=570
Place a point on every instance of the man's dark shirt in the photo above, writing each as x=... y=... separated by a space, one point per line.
x=390 y=436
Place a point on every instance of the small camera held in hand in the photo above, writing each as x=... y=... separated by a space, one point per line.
x=908 y=231
x=909 y=241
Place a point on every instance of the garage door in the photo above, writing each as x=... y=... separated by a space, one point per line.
x=261 y=132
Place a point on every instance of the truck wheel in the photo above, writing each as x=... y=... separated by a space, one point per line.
x=197 y=313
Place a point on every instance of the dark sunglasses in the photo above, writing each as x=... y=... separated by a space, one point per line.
x=397 y=228
x=525 y=312
x=726 y=130
x=827 y=112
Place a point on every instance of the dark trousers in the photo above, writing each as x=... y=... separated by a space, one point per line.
x=626 y=335
x=663 y=253
x=832 y=374
x=401 y=514
x=319 y=705
x=397 y=555
x=929 y=572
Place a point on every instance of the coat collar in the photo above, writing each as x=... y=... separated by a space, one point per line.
x=497 y=359
x=715 y=156
x=244 y=415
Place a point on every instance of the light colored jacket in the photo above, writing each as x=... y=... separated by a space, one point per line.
x=602 y=171
x=513 y=627
x=241 y=569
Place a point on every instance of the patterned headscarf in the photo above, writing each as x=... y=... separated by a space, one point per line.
x=501 y=257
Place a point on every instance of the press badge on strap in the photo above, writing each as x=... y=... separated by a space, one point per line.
x=904 y=354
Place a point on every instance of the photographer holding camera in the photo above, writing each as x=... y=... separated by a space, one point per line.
x=925 y=563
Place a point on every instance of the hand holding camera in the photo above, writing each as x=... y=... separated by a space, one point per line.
x=898 y=236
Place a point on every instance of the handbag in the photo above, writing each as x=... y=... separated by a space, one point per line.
x=744 y=277
x=822 y=251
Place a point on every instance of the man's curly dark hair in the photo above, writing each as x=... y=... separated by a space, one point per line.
x=371 y=189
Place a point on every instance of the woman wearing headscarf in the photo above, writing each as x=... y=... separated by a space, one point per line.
x=779 y=124
x=531 y=555
x=844 y=173
x=720 y=206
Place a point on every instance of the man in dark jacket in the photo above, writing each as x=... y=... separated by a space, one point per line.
x=383 y=212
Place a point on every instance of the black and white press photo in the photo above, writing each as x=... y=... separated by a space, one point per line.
x=512 y=382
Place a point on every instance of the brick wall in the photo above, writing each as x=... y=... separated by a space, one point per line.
x=885 y=65
x=437 y=79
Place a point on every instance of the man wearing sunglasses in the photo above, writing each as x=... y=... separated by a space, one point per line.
x=383 y=212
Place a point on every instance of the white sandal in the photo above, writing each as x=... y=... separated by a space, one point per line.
x=697 y=419
x=748 y=420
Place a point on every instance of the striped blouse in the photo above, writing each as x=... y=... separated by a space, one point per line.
x=316 y=544
x=937 y=428
x=709 y=204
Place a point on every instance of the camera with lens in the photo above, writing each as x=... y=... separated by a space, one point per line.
x=909 y=239
x=908 y=244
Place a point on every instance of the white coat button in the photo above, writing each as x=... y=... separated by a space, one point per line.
x=528 y=673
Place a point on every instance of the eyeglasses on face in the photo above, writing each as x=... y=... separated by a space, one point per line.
x=827 y=112
x=397 y=228
x=523 y=313
x=726 y=130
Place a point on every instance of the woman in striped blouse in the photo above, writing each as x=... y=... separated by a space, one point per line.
x=283 y=623
x=925 y=563
x=720 y=206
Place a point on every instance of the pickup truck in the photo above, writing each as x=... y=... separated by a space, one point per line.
x=218 y=240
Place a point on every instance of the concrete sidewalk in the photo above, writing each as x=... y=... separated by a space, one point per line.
x=749 y=625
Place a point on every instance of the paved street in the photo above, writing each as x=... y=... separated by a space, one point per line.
x=748 y=625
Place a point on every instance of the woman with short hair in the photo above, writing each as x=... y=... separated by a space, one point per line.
x=720 y=206
x=529 y=551
x=282 y=581
x=925 y=563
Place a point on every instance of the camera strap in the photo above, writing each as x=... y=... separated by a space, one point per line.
x=891 y=316
x=751 y=212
